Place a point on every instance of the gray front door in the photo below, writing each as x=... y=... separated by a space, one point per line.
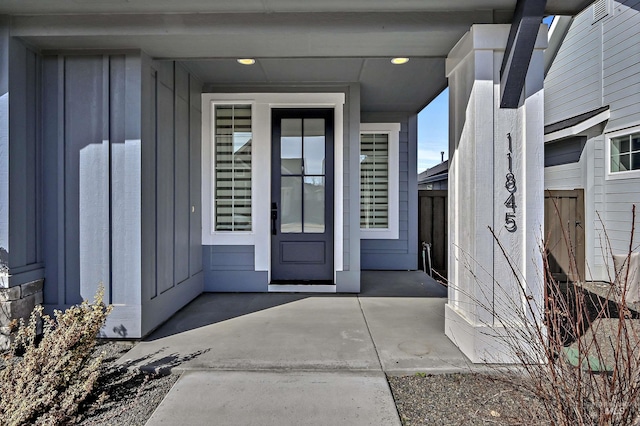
x=302 y=196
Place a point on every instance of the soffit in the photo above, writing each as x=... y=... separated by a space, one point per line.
x=384 y=87
x=554 y=7
x=315 y=42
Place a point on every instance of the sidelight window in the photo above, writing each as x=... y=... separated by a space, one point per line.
x=379 y=180
x=232 y=192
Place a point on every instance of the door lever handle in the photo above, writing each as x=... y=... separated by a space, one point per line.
x=274 y=218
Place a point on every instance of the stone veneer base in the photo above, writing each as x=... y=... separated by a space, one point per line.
x=15 y=303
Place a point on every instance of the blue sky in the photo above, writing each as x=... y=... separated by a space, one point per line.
x=433 y=128
x=433 y=132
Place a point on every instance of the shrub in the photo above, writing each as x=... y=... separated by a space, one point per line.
x=47 y=377
x=581 y=357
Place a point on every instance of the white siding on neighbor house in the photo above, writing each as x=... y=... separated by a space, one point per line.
x=621 y=73
x=573 y=84
x=621 y=91
x=566 y=176
x=597 y=65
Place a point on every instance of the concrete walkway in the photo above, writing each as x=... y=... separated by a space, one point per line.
x=279 y=359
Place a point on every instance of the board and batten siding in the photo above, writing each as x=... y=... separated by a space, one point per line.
x=120 y=203
x=400 y=254
x=171 y=194
x=91 y=183
x=20 y=206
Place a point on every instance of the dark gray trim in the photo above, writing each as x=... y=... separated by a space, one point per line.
x=517 y=56
x=570 y=122
x=564 y=151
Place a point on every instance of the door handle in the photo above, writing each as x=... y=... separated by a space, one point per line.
x=274 y=218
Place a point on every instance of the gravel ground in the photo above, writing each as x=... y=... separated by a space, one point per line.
x=131 y=396
x=444 y=399
x=463 y=399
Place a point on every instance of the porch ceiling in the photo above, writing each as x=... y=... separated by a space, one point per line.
x=384 y=87
x=294 y=42
x=554 y=7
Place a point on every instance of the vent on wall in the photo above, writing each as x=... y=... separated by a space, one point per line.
x=601 y=8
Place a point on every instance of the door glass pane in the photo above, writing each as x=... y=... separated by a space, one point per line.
x=314 y=146
x=314 y=204
x=291 y=146
x=291 y=204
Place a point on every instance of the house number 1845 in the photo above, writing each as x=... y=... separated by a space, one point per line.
x=510 y=185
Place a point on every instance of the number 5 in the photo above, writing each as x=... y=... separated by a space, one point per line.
x=510 y=222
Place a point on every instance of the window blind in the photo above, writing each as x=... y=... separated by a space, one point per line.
x=374 y=180
x=233 y=167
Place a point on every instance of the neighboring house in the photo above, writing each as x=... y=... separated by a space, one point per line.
x=434 y=178
x=170 y=148
x=592 y=133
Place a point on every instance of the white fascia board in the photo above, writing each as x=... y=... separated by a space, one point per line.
x=578 y=128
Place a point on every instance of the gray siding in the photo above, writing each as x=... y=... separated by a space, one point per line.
x=232 y=269
x=4 y=145
x=19 y=151
x=121 y=186
x=91 y=183
x=171 y=200
x=348 y=280
x=400 y=254
x=573 y=84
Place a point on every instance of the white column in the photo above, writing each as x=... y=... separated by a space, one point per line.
x=484 y=293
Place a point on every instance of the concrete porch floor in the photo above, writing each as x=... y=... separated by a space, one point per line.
x=301 y=350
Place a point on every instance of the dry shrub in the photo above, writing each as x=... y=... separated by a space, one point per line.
x=578 y=353
x=47 y=377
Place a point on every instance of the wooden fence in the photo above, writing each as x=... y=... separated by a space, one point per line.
x=432 y=228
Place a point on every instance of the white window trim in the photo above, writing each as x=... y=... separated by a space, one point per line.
x=209 y=177
x=262 y=103
x=392 y=232
x=607 y=157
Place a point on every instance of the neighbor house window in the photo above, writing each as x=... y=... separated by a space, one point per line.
x=625 y=153
x=232 y=152
x=379 y=180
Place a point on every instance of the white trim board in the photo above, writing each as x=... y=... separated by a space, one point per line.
x=609 y=175
x=302 y=288
x=262 y=103
x=578 y=128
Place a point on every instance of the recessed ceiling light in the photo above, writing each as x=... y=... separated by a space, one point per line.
x=399 y=61
x=247 y=61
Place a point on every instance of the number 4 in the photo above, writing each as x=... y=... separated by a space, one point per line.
x=511 y=202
